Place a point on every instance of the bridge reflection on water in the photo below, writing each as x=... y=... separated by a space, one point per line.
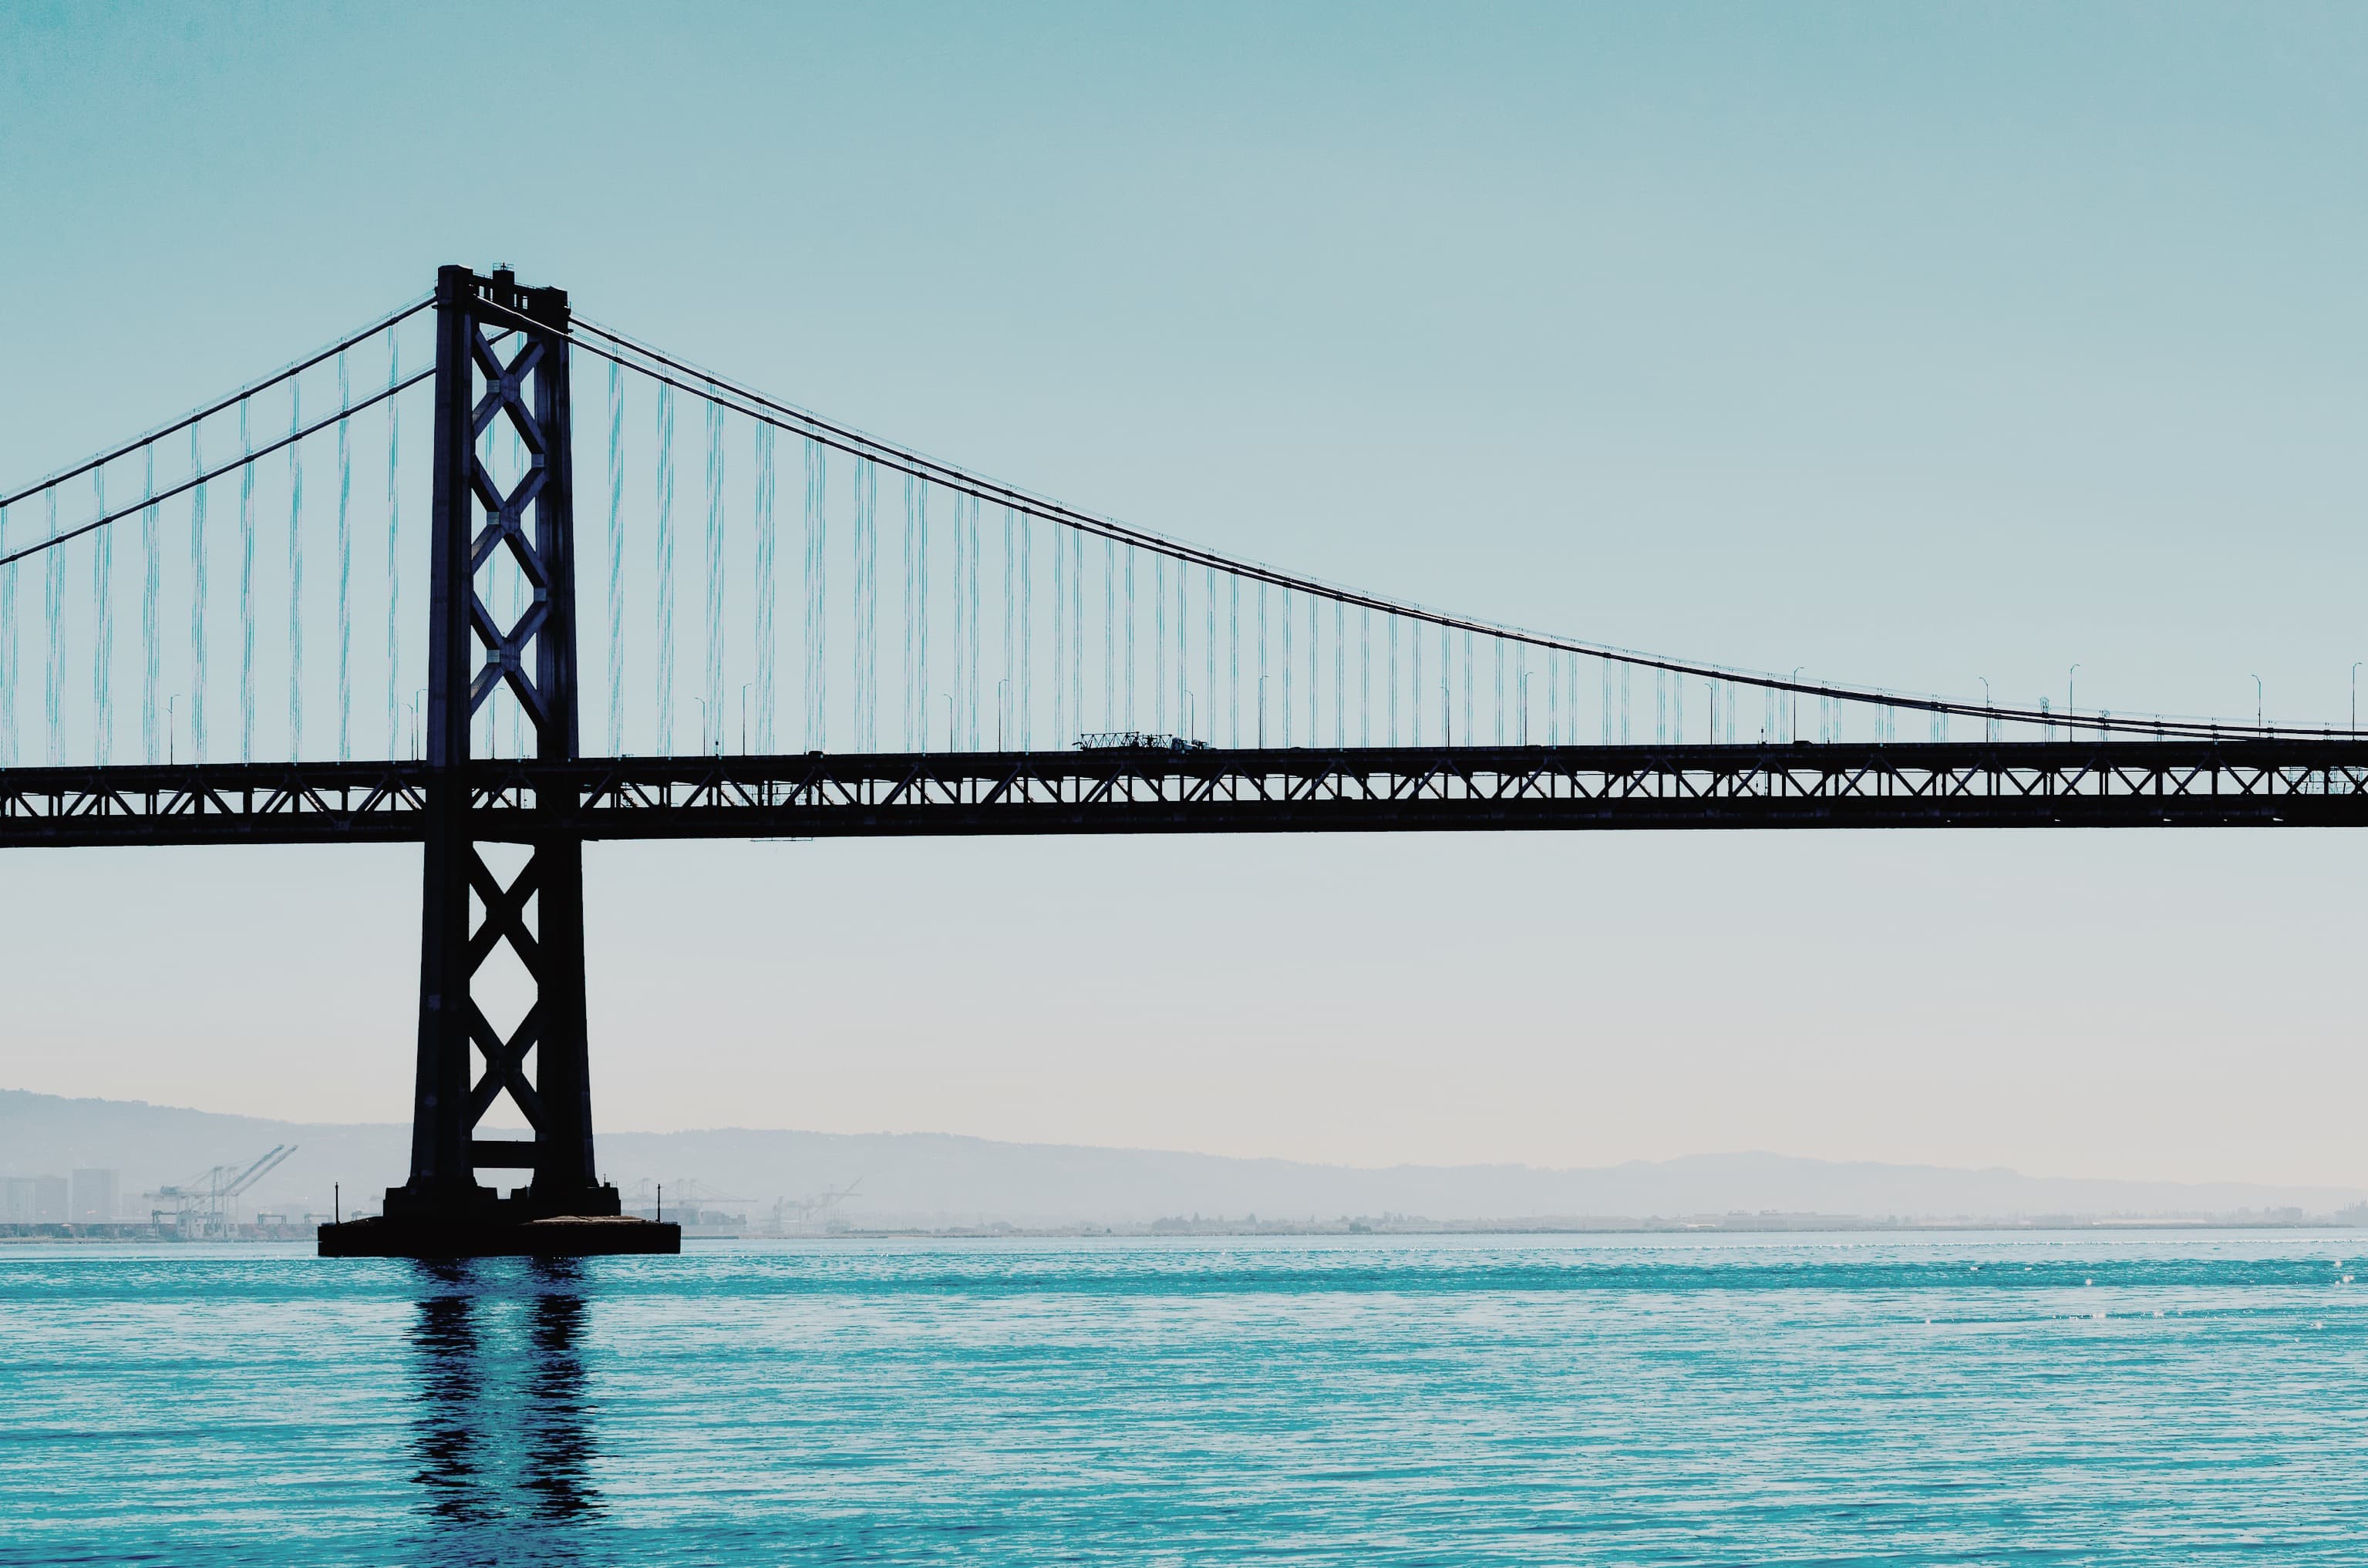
x=501 y=1431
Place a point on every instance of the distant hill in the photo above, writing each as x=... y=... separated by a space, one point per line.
x=943 y=1179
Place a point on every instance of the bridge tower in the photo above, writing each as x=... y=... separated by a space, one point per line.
x=470 y=911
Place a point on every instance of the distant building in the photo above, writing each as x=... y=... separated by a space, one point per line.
x=34 y=1200
x=95 y=1196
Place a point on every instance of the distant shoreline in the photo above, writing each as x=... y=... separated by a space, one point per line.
x=146 y=1236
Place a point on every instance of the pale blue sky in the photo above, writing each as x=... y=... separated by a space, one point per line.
x=1910 y=345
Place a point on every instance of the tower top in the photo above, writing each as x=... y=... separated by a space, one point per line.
x=544 y=307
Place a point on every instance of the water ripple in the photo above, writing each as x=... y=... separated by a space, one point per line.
x=1961 y=1399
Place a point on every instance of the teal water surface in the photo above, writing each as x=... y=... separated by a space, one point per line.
x=2129 y=1398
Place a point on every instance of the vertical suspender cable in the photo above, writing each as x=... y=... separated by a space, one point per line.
x=1209 y=594
x=1393 y=679
x=912 y=727
x=971 y=703
x=1131 y=553
x=1314 y=640
x=617 y=559
x=714 y=560
x=393 y=559
x=197 y=605
x=1233 y=663
x=1553 y=699
x=246 y=587
x=1060 y=638
x=1414 y=685
x=869 y=479
x=7 y=653
x=1159 y=646
x=1110 y=634
x=1014 y=674
x=858 y=609
x=1365 y=674
x=345 y=569
x=864 y=487
x=1447 y=687
x=664 y=478
x=1077 y=630
x=1517 y=720
x=714 y=572
x=1497 y=644
x=1261 y=662
x=1188 y=720
x=102 y=652
x=958 y=683
x=295 y=575
x=1341 y=674
x=1470 y=734
x=867 y=604
x=152 y=700
x=962 y=627
x=818 y=599
x=1026 y=675
x=769 y=584
x=53 y=618
x=1184 y=707
x=920 y=612
x=1290 y=662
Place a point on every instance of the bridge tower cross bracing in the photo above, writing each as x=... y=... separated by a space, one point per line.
x=475 y=651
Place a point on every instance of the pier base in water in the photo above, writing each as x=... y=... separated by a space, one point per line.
x=561 y=1235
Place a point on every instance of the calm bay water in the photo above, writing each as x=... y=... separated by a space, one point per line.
x=1959 y=1399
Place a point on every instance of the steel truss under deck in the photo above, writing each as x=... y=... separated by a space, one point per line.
x=2236 y=783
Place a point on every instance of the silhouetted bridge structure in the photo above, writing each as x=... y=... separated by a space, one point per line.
x=2232 y=783
x=1174 y=690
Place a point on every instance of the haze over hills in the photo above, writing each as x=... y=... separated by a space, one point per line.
x=941 y=1179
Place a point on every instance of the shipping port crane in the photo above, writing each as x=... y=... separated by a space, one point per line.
x=809 y=1210
x=201 y=1206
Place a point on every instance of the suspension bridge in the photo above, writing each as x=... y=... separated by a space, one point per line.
x=998 y=664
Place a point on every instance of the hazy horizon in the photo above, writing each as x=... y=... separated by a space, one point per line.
x=10 y=1158
x=933 y=1179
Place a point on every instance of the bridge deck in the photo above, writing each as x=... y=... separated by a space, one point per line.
x=2232 y=783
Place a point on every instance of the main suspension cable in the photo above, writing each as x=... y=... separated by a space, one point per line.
x=245 y=461
x=759 y=406
x=298 y=369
